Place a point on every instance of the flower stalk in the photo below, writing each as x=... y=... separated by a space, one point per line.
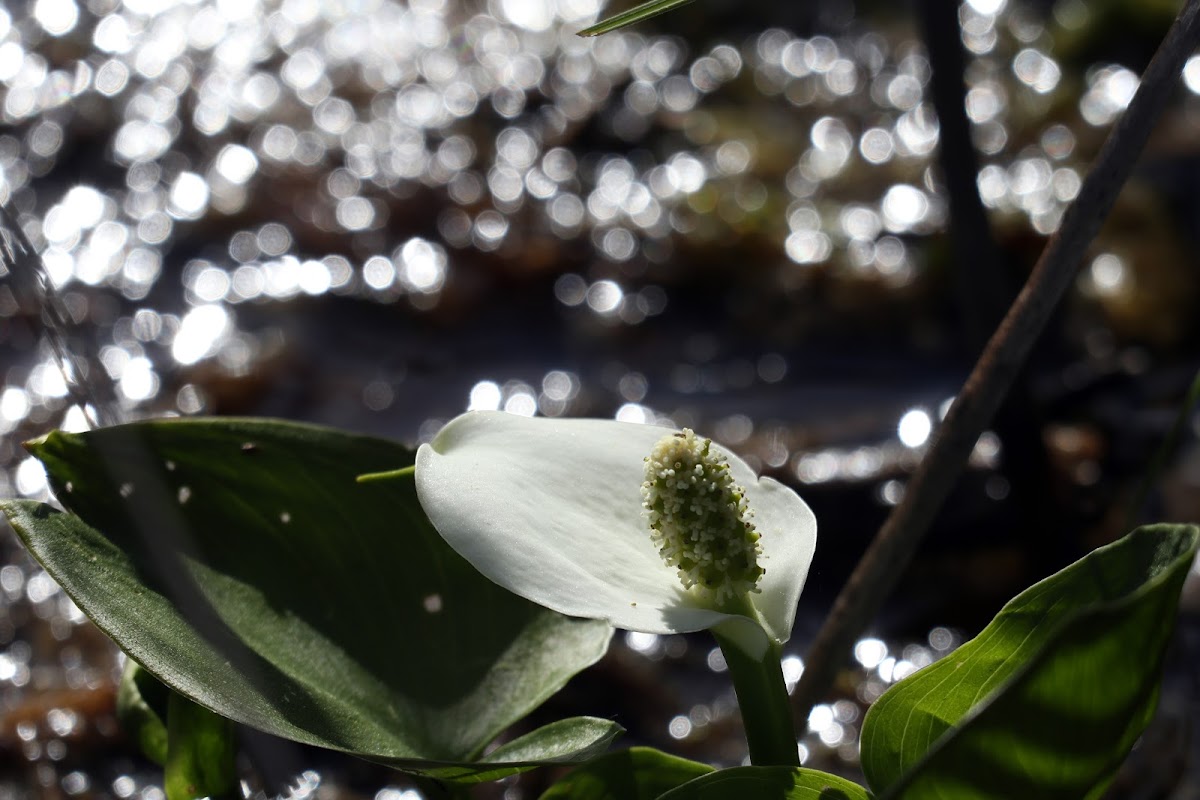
x=702 y=525
x=762 y=698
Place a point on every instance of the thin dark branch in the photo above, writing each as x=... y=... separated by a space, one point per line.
x=983 y=289
x=78 y=357
x=893 y=547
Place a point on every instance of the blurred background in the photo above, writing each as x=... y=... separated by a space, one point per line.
x=770 y=222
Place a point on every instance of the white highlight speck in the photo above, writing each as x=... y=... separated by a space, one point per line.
x=31 y=477
x=914 y=428
x=870 y=652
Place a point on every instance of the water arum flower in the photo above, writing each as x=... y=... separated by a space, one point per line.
x=593 y=519
x=649 y=529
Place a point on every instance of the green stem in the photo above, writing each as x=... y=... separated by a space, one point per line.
x=200 y=752
x=763 y=699
x=441 y=790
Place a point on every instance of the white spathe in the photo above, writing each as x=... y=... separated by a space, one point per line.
x=551 y=510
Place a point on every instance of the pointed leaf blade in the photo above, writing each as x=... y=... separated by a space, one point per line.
x=322 y=610
x=1049 y=698
x=639 y=773
x=768 y=783
x=565 y=741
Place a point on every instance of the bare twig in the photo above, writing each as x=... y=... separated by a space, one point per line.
x=983 y=289
x=77 y=356
x=884 y=562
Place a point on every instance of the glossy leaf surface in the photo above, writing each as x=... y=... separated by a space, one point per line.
x=565 y=741
x=1049 y=698
x=241 y=564
x=639 y=773
x=768 y=783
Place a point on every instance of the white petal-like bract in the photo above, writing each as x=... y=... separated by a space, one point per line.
x=551 y=509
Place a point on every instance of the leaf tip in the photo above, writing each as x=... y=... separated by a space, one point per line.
x=48 y=445
x=374 y=477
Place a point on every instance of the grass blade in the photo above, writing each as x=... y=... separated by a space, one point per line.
x=632 y=16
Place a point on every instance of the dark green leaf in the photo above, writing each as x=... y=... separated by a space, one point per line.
x=200 y=753
x=142 y=711
x=242 y=564
x=634 y=15
x=1049 y=698
x=768 y=783
x=566 y=741
x=639 y=773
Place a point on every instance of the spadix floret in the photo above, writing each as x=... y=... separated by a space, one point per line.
x=552 y=510
x=699 y=518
